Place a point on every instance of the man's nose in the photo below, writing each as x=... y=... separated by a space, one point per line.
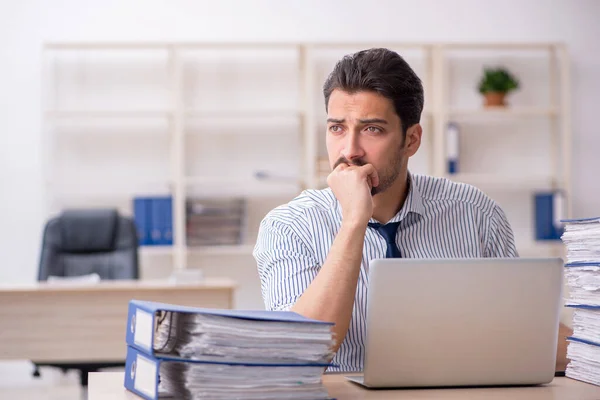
x=352 y=149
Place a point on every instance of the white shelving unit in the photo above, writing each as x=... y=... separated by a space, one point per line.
x=537 y=124
x=204 y=118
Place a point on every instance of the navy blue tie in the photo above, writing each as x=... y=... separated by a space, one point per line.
x=388 y=231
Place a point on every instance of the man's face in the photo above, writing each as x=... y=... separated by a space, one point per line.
x=363 y=128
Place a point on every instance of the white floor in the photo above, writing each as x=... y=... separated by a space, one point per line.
x=17 y=382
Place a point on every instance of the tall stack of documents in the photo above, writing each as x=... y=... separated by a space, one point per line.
x=582 y=275
x=194 y=353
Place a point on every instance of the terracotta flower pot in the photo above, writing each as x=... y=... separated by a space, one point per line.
x=495 y=99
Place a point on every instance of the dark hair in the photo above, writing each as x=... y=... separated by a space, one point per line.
x=382 y=71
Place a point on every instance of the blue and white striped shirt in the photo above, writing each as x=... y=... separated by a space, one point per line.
x=439 y=219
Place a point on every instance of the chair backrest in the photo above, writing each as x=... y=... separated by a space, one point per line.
x=82 y=242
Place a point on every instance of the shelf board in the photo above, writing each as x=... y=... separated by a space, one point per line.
x=507 y=112
x=199 y=180
x=187 y=45
x=242 y=114
x=107 y=45
x=104 y=187
x=243 y=123
x=243 y=249
x=486 y=181
x=246 y=186
x=501 y=45
x=157 y=250
x=81 y=114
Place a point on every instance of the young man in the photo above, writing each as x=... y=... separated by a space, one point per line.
x=313 y=253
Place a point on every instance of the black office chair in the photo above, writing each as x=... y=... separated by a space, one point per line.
x=82 y=242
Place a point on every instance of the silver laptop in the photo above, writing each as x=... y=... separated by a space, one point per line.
x=462 y=322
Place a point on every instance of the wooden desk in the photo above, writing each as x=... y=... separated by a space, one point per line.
x=48 y=322
x=109 y=385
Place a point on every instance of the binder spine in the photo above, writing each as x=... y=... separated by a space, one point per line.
x=140 y=328
x=168 y=224
x=156 y=221
x=142 y=219
x=142 y=374
x=548 y=215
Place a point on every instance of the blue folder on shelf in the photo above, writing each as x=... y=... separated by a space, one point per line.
x=154 y=220
x=142 y=214
x=166 y=205
x=161 y=221
x=143 y=318
x=549 y=207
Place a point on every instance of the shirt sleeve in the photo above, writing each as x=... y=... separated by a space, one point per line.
x=500 y=238
x=286 y=265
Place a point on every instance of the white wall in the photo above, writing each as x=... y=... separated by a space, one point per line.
x=25 y=25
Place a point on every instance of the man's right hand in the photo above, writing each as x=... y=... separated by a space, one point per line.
x=330 y=295
x=351 y=185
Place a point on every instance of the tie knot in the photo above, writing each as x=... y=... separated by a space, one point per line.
x=388 y=231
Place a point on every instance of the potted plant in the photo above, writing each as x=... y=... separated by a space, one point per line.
x=495 y=84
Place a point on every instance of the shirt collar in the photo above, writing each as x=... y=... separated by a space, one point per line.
x=413 y=202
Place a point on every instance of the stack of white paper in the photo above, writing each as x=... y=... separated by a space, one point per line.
x=582 y=238
x=251 y=340
x=582 y=276
x=585 y=361
x=583 y=281
x=586 y=323
x=207 y=381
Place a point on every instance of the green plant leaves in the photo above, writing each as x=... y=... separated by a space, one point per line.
x=497 y=80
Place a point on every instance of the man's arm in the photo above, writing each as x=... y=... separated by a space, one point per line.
x=291 y=278
x=330 y=296
x=289 y=274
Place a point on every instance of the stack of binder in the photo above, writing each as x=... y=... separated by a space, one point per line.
x=194 y=353
x=215 y=221
x=582 y=275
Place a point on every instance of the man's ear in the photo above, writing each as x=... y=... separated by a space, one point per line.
x=413 y=139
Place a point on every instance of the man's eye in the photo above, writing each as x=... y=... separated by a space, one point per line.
x=335 y=128
x=373 y=129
